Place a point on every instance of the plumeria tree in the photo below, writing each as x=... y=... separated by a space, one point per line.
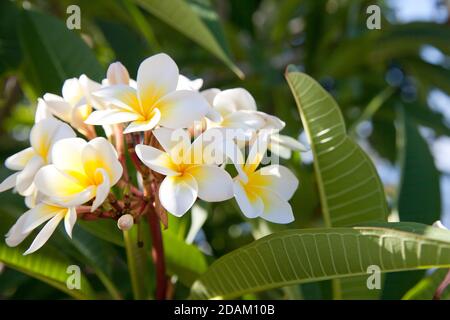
x=240 y=178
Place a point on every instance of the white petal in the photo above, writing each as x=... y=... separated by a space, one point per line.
x=276 y=209
x=45 y=234
x=271 y=122
x=144 y=125
x=57 y=106
x=62 y=187
x=40 y=214
x=110 y=116
x=9 y=182
x=210 y=94
x=234 y=154
x=156 y=77
x=156 y=160
x=279 y=150
x=35 y=198
x=209 y=148
x=63 y=131
x=198 y=219
x=69 y=220
x=99 y=153
x=233 y=100
x=214 y=115
x=66 y=154
x=19 y=160
x=72 y=91
x=15 y=234
x=102 y=190
x=120 y=96
x=117 y=74
x=256 y=153
x=42 y=111
x=45 y=133
x=175 y=142
x=184 y=83
x=278 y=179
x=178 y=194
x=168 y=138
x=243 y=119
x=180 y=109
x=88 y=85
x=288 y=142
x=26 y=177
x=251 y=204
x=214 y=183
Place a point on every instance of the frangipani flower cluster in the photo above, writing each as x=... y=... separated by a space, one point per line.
x=184 y=144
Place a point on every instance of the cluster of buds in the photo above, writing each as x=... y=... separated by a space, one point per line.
x=178 y=139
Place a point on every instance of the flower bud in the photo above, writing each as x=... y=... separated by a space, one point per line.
x=117 y=74
x=438 y=224
x=125 y=222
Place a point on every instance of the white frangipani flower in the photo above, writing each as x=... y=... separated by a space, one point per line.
x=265 y=192
x=52 y=214
x=27 y=162
x=76 y=103
x=237 y=109
x=80 y=171
x=188 y=170
x=155 y=101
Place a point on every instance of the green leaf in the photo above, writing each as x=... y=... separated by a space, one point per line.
x=100 y=256
x=419 y=198
x=138 y=263
x=10 y=53
x=430 y=76
x=349 y=187
x=206 y=12
x=48 y=264
x=184 y=260
x=104 y=229
x=425 y=289
x=179 y=15
x=301 y=256
x=54 y=53
x=404 y=39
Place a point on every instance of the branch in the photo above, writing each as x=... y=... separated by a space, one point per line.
x=157 y=253
x=132 y=140
x=444 y=284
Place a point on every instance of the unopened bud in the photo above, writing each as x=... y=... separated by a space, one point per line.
x=438 y=224
x=125 y=222
x=117 y=74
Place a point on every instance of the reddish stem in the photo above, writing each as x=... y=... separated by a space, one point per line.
x=444 y=284
x=132 y=140
x=157 y=253
x=90 y=132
